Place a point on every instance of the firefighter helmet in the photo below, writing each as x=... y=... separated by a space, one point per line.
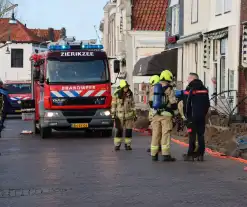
x=166 y=75
x=154 y=80
x=123 y=83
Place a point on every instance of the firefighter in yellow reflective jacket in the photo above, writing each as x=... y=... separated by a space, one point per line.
x=162 y=120
x=152 y=81
x=123 y=111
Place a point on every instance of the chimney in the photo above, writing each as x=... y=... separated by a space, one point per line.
x=51 y=34
x=63 y=33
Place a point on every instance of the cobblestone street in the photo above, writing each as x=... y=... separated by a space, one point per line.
x=70 y=170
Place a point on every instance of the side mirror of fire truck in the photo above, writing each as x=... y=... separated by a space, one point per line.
x=36 y=74
x=116 y=66
x=41 y=78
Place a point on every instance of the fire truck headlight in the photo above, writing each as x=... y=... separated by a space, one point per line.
x=105 y=113
x=51 y=114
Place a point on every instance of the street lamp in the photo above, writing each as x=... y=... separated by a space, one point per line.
x=7 y=51
x=12 y=19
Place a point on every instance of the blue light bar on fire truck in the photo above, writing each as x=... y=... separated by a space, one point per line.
x=92 y=47
x=68 y=47
x=59 y=47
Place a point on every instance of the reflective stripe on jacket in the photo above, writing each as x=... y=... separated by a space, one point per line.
x=123 y=105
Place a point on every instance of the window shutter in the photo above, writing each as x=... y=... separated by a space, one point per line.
x=194 y=11
x=218 y=7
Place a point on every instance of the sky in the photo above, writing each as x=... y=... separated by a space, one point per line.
x=77 y=16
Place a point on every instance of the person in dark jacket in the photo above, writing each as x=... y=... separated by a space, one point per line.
x=4 y=105
x=196 y=105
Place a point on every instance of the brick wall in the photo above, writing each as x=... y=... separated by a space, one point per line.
x=242 y=92
x=242 y=71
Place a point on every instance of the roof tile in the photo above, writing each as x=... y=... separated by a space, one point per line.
x=149 y=14
x=43 y=34
x=20 y=33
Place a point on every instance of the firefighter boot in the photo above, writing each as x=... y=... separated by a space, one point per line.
x=188 y=157
x=200 y=158
x=117 y=148
x=168 y=158
x=127 y=147
x=156 y=157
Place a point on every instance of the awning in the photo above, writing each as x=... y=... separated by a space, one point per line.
x=216 y=35
x=189 y=38
x=155 y=64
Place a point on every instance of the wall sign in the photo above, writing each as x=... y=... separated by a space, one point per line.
x=172 y=39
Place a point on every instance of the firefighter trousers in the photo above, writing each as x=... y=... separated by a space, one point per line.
x=120 y=125
x=1 y=122
x=197 y=135
x=161 y=134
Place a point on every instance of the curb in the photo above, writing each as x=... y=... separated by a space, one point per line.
x=209 y=151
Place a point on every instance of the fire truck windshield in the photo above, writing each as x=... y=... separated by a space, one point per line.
x=93 y=71
x=18 y=88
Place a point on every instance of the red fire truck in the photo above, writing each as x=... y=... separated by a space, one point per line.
x=18 y=91
x=72 y=88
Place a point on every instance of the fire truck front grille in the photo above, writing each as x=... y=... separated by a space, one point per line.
x=88 y=112
x=72 y=101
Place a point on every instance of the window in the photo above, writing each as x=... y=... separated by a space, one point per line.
x=223 y=46
x=18 y=88
x=222 y=73
x=218 y=7
x=227 y=6
x=231 y=79
x=16 y=58
x=194 y=11
x=196 y=56
x=214 y=79
x=204 y=78
x=175 y=20
x=91 y=71
x=215 y=50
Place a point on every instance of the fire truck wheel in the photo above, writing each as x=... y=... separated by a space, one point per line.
x=45 y=132
x=106 y=133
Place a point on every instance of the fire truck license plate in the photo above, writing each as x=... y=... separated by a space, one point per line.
x=83 y=125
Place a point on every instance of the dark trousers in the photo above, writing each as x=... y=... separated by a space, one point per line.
x=4 y=116
x=1 y=125
x=197 y=131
